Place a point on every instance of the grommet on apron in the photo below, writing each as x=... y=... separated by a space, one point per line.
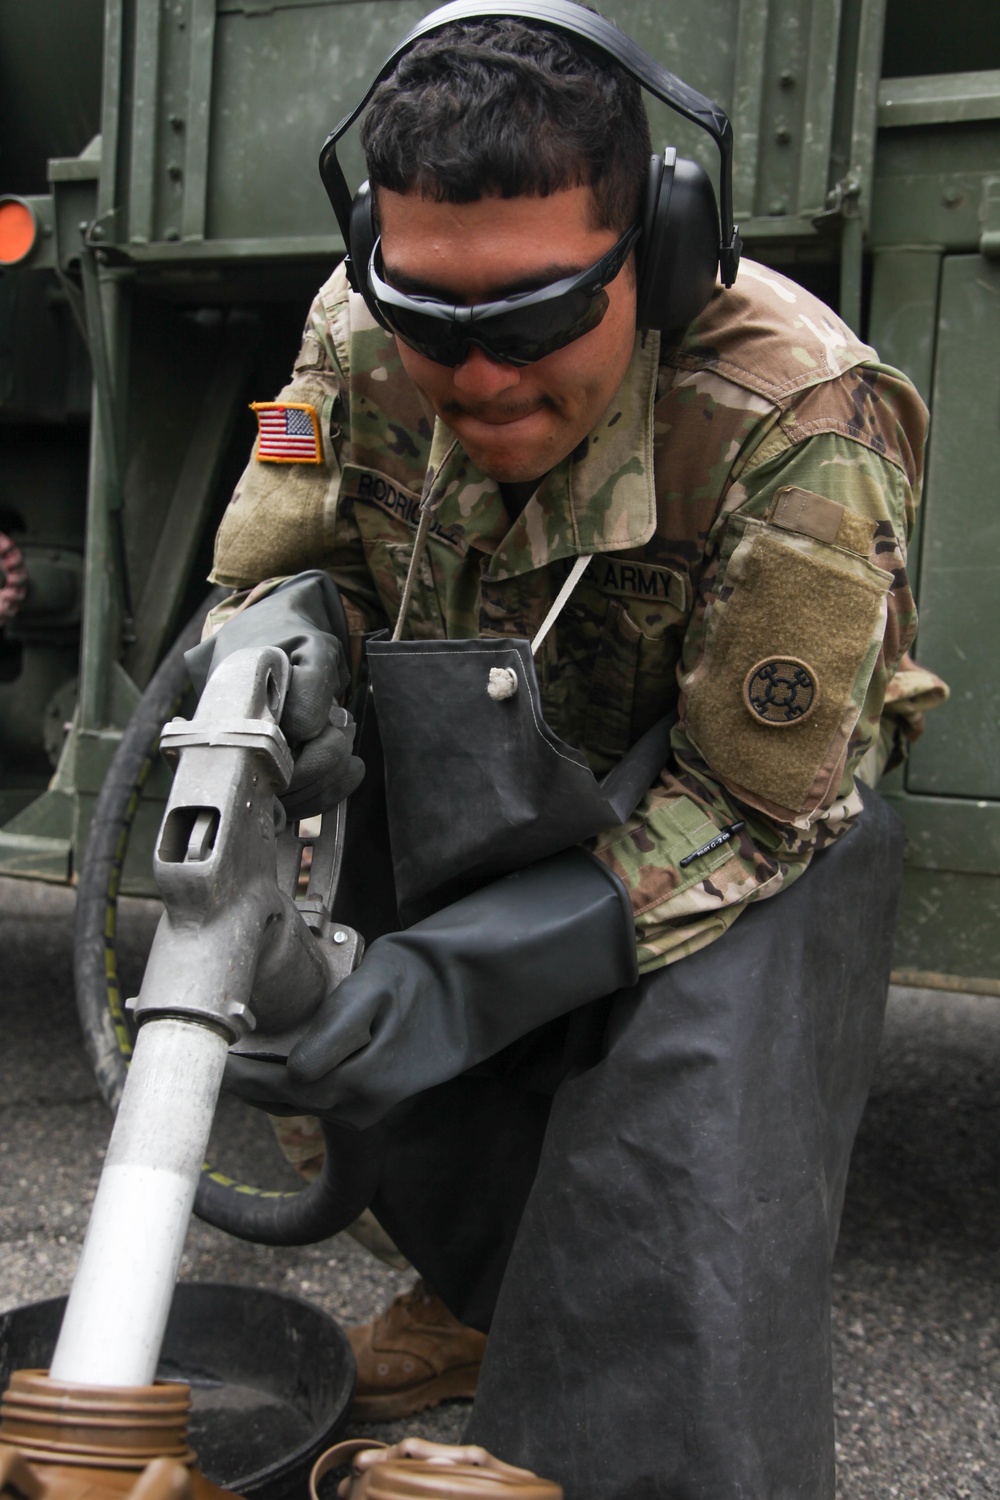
x=476 y=782
x=502 y=683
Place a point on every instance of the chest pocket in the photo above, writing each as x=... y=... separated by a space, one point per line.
x=636 y=614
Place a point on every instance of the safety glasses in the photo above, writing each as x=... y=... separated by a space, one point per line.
x=515 y=330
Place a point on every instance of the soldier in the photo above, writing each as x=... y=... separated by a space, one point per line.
x=618 y=1081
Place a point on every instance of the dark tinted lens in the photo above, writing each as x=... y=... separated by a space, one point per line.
x=443 y=342
x=521 y=338
x=517 y=336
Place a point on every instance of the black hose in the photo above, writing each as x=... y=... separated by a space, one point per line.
x=352 y=1158
x=352 y=1163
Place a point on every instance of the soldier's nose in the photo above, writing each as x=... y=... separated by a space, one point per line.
x=480 y=377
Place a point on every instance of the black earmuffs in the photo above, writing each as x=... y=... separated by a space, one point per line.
x=681 y=249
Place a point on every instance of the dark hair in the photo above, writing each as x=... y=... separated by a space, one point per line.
x=508 y=107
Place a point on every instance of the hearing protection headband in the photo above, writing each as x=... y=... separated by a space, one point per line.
x=560 y=15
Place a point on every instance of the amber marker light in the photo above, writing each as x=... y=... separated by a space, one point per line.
x=18 y=230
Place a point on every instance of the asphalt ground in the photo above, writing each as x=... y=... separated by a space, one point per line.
x=917 y=1280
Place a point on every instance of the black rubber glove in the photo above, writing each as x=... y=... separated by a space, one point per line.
x=304 y=616
x=430 y=1002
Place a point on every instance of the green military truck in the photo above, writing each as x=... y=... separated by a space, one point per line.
x=163 y=227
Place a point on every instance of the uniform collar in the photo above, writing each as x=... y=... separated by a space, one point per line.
x=599 y=499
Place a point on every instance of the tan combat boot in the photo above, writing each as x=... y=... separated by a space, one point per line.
x=412 y=1356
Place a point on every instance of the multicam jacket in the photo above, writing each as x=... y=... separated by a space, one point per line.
x=747 y=496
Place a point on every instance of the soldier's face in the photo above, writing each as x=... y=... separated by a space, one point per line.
x=515 y=422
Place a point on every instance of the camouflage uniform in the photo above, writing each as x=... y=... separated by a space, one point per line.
x=748 y=497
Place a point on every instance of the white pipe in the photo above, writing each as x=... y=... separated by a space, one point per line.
x=124 y=1284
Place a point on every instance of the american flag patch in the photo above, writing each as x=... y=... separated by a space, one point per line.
x=288 y=433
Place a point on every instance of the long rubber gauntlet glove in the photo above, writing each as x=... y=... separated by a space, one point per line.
x=430 y=1002
x=304 y=616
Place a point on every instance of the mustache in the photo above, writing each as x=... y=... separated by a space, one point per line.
x=489 y=411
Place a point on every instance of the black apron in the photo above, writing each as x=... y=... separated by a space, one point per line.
x=477 y=786
x=640 y=1201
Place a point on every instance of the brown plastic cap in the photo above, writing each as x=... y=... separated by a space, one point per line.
x=116 y=1427
x=420 y=1479
x=418 y=1470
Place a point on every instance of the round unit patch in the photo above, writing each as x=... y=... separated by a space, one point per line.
x=780 y=691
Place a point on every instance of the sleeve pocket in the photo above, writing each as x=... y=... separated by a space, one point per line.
x=791 y=644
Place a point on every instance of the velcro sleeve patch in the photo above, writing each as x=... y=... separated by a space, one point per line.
x=792 y=645
x=278 y=521
x=287 y=432
x=824 y=519
x=808 y=514
x=856 y=533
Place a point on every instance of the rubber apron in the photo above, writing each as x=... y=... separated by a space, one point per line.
x=476 y=782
